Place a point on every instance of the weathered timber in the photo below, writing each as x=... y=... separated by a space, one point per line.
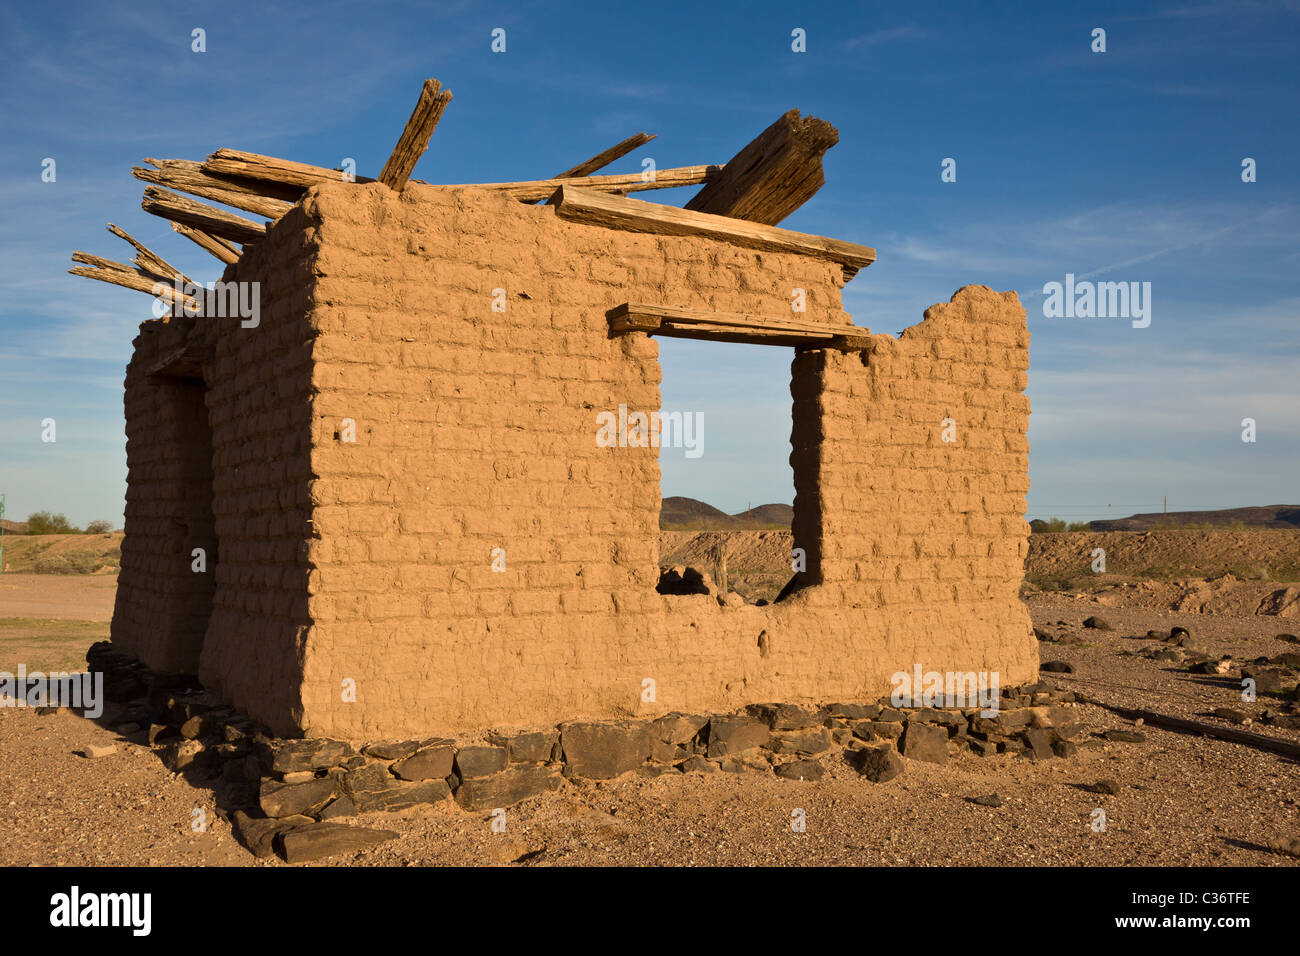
x=635 y=215
x=119 y=273
x=774 y=174
x=234 y=162
x=183 y=171
x=734 y=327
x=147 y=259
x=601 y=160
x=209 y=187
x=169 y=205
x=223 y=249
x=539 y=189
x=415 y=136
x=1276 y=745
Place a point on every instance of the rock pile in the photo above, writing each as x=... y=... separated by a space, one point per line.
x=288 y=796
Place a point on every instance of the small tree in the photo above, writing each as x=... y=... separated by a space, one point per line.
x=99 y=527
x=42 y=522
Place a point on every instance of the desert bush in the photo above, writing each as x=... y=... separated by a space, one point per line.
x=99 y=527
x=1057 y=525
x=42 y=522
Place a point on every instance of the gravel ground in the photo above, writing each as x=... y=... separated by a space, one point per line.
x=1183 y=800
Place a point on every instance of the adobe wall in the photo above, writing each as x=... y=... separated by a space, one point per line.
x=475 y=430
x=251 y=388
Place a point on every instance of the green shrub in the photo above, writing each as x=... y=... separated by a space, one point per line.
x=42 y=522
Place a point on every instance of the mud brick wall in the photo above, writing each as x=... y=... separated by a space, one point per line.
x=356 y=596
x=252 y=402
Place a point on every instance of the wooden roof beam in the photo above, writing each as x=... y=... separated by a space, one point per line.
x=416 y=135
x=773 y=175
x=635 y=215
x=734 y=327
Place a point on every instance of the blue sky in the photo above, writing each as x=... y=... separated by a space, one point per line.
x=1124 y=164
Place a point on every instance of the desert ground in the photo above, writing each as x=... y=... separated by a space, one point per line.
x=1181 y=799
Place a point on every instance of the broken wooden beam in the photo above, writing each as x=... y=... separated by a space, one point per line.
x=148 y=260
x=601 y=160
x=234 y=162
x=1275 y=745
x=223 y=249
x=635 y=215
x=415 y=135
x=226 y=225
x=541 y=189
x=734 y=327
x=121 y=274
x=191 y=179
x=187 y=170
x=773 y=175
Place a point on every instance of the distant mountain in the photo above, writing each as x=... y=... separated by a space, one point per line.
x=1265 y=516
x=688 y=514
x=14 y=527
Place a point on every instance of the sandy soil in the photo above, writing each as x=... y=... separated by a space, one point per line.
x=1183 y=800
x=59 y=596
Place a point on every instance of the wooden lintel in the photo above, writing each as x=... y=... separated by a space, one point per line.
x=775 y=174
x=415 y=136
x=184 y=362
x=734 y=327
x=635 y=215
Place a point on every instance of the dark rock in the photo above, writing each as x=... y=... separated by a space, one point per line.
x=604 y=750
x=891 y=715
x=804 y=744
x=1005 y=723
x=1290 y=660
x=1057 y=667
x=479 y=761
x=1011 y=745
x=785 y=716
x=392 y=749
x=1125 y=737
x=741 y=763
x=678 y=728
x=989 y=800
x=339 y=807
x=1043 y=635
x=428 y=763
x=855 y=711
x=661 y=752
x=1179 y=634
x=161 y=733
x=532 y=747
x=256 y=835
x=983 y=748
x=864 y=730
x=697 y=764
x=372 y=787
x=508 y=787
x=1039 y=744
x=801 y=770
x=1064 y=748
x=654 y=769
x=286 y=756
x=877 y=764
x=1107 y=786
x=925 y=742
x=319 y=840
x=179 y=755
x=891 y=729
x=1096 y=623
x=1288 y=638
x=731 y=735
x=292 y=799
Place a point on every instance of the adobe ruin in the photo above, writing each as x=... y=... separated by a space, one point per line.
x=351 y=468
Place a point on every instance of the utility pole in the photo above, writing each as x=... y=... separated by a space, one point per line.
x=2 y=533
